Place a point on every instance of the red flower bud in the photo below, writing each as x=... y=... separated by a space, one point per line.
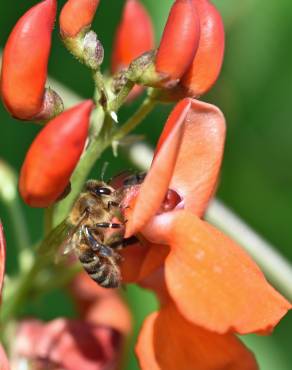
x=134 y=35
x=53 y=155
x=25 y=61
x=77 y=15
x=207 y=62
x=179 y=41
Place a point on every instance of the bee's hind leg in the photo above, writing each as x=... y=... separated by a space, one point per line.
x=103 y=250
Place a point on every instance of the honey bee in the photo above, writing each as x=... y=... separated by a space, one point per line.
x=97 y=229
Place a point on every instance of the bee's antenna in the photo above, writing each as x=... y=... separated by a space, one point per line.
x=103 y=170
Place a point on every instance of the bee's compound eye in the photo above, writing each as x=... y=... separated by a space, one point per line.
x=102 y=191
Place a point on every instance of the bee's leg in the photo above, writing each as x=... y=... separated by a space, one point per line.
x=124 y=243
x=102 y=249
x=92 y=242
x=109 y=225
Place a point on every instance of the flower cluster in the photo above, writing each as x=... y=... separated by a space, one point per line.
x=208 y=288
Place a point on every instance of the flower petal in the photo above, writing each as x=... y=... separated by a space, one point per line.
x=187 y=159
x=155 y=185
x=179 y=41
x=99 y=305
x=69 y=344
x=132 y=259
x=207 y=62
x=213 y=282
x=4 y=365
x=200 y=155
x=169 y=342
x=112 y=312
x=153 y=260
x=134 y=35
x=2 y=257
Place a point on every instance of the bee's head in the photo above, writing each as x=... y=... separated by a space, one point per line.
x=98 y=188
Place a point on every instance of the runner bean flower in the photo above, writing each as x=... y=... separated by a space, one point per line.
x=209 y=288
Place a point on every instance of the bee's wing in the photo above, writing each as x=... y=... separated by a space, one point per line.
x=71 y=241
x=53 y=240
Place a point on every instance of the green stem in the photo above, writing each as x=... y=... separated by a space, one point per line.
x=15 y=300
x=115 y=104
x=9 y=197
x=100 y=86
x=48 y=219
x=18 y=223
x=145 y=108
x=58 y=278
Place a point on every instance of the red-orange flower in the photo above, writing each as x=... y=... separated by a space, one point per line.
x=66 y=344
x=95 y=341
x=208 y=286
x=100 y=305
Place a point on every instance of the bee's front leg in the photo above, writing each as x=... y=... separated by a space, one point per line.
x=109 y=225
x=124 y=243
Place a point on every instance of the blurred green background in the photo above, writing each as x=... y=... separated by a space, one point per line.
x=254 y=92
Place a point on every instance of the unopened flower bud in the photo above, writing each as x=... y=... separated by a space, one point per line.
x=25 y=61
x=75 y=21
x=134 y=35
x=93 y=51
x=177 y=48
x=207 y=62
x=76 y=16
x=53 y=156
x=179 y=41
